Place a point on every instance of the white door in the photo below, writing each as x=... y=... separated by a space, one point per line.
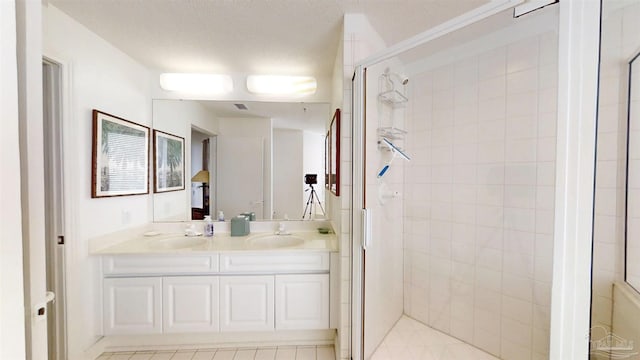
x=54 y=200
x=240 y=175
x=132 y=306
x=302 y=301
x=246 y=303
x=190 y=304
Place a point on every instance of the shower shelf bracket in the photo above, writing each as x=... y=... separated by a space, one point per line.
x=390 y=133
x=393 y=97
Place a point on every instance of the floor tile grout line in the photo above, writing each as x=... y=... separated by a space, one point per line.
x=174 y=352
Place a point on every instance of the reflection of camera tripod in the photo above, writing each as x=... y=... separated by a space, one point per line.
x=310 y=202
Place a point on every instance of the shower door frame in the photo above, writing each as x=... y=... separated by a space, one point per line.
x=575 y=167
x=361 y=237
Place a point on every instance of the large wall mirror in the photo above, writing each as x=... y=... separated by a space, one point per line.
x=243 y=157
x=632 y=258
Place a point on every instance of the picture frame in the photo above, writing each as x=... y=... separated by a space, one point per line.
x=334 y=154
x=168 y=162
x=327 y=159
x=120 y=156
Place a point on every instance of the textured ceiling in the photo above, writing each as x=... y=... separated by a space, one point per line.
x=249 y=36
x=301 y=116
x=252 y=36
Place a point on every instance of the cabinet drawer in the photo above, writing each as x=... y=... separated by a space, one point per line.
x=280 y=262
x=159 y=264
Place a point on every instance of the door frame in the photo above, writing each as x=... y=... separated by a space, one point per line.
x=53 y=99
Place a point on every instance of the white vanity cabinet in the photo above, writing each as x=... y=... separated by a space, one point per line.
x=246 y=303
x=190 y=304
x=228 y=292
x=302 y=301
x=132 y=305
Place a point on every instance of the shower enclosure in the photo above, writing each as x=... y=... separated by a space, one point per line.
x=457 y=165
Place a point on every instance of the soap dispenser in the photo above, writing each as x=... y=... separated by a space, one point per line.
x=208 y=226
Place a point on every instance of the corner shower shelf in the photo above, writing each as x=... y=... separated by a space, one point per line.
x=393 y=97
x=391 y=133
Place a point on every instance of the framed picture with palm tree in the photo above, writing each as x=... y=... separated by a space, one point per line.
x=168 y=162
x=120 y=157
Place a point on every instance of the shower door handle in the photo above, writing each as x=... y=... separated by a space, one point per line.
x=366 y=228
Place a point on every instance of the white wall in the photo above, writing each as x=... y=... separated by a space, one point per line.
x=480 y=218
x=313 y=163
x=333 y=208
x=253 y=127
x=288 y=180
x=178 y=117
x=100 y=77
x=12 y=339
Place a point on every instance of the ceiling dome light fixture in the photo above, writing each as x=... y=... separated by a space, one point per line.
x=281 y=85
x=193 y=83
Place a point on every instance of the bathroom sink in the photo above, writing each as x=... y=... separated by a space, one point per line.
x=274 y=241
x=178 y=242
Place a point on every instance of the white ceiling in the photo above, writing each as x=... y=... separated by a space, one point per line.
x=292 y=37
x=300 y=116
x=249 y=36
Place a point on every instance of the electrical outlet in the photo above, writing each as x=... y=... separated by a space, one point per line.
x=126 y=217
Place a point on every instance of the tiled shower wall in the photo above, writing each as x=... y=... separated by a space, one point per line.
x=478 y=233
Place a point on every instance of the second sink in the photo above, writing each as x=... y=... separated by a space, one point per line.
x=274 y=241
x=178 y=242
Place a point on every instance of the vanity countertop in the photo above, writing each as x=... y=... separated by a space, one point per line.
x=175 y=243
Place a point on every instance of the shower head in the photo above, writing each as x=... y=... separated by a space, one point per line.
x=390 y=76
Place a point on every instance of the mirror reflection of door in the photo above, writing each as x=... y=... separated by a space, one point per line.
x=241 y=185
x=201 y=175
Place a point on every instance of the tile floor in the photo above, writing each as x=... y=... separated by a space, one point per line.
x=267 y=353
x=408 y=340
x=412 y=340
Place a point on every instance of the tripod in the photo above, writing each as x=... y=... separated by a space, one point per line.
x=310 y=202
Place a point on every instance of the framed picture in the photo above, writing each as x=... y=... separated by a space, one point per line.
x=168 y=162
x=334 y=154
x=327 y=159
x=120 y=157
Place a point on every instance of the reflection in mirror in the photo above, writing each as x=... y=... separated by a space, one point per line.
x=245 y=157
x=201 y=172
x=615 y=303
x=632 y=259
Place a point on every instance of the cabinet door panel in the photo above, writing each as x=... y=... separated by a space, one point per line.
x=246 y=303
x=190 y=304
x=302 y=301
x=132 y=306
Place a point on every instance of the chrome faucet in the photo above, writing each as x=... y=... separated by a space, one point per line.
x=282 y=230
x=190 y=230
